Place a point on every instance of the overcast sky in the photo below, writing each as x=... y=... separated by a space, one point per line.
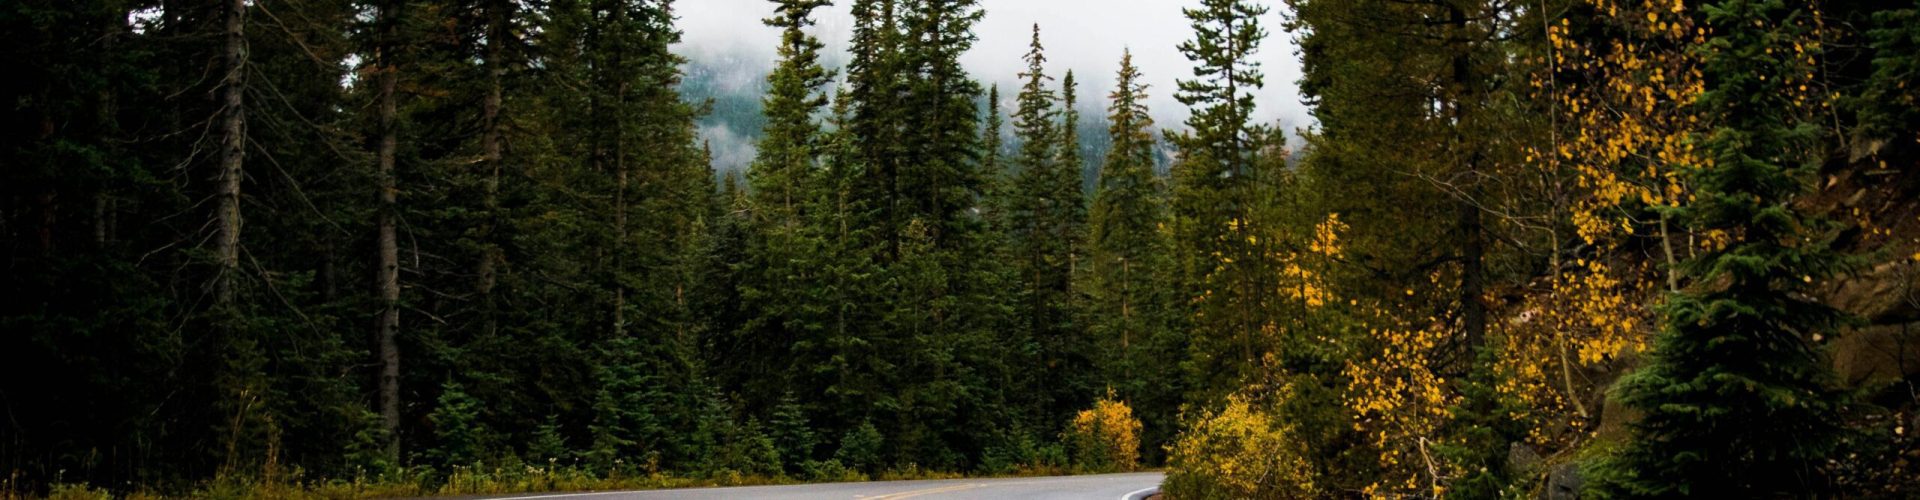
x=1086 y=36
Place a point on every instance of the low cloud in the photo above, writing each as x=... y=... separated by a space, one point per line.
x=732 y=152
x=1086 y=36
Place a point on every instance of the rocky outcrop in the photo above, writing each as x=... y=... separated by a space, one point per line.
x=1877 y=355
x=1881 y=295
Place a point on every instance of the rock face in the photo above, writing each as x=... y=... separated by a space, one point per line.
x=1522 y=460
x=1880 y=295
x=1615 y=421
x=1564 y=482
x=1877 y=354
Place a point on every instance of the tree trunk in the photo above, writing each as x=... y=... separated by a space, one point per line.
x=112 y=24
x=619 y=209
x=388 y=281
x=491 y=147
x=1666 y=245
x=1473 y=310
x=232 y=154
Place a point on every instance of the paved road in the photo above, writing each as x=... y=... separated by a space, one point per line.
x=1100 y=487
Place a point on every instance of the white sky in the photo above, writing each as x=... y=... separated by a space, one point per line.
x=1086 y=36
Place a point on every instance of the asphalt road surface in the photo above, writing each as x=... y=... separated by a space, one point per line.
x=1101 y=487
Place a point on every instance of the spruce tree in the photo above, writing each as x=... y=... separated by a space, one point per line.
x=1127 y=275
x=1214 y=200
x=1031 y=239
x=1065 y=185
x=787 y=152
x=779 y=274
x=844 y=363
x=1737 y=396
x=1046 y=217
x=992 y=144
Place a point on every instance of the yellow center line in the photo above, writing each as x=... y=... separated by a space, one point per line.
x=928 y=491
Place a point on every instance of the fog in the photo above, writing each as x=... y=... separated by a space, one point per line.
x=1085 y=36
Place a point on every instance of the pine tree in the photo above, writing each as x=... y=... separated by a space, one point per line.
x=1030 y=238
x=992 y=143
x=1887 y=103
x=1046 y=222
x=915 y=124
x=792 y=433
x=1128 y=272
x=233 y=150
x=942 y=180
x=780 y=273
x=1738 y=400
x=1065 y=186
x=1215 y=180
x=549 y=444
x=459 y=438
x=994 y=167
x=796 y=97
x=844 y=363
x=876 y=88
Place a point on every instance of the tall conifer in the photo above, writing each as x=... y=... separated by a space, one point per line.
x=1738 y=398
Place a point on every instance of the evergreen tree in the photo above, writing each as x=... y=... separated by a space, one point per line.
x=386 y=61
x=792 y=433
x=1128 y=272
x=992 y=142
x=1214 y=198
x=1738 y=400
x=781 y=276
x=459 y=439
x=790 y=147
x=994 y=167
x=844 y=363
x=1031 y=238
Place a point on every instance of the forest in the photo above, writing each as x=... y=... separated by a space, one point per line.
x=377 y=248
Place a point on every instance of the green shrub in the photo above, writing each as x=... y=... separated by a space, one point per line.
x=860 y=448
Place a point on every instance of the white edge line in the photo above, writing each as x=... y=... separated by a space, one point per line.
x=1141 y=493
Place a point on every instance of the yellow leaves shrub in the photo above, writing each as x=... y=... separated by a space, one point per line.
x=1106 y=437
x=1238 y=452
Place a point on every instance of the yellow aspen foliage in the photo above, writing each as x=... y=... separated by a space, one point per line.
x=1326 y=236
x=1106 y=437
x=1589 y=319
x=1241 y=451
x=1298 y=279
x=1399 y=402
x=1623 y=102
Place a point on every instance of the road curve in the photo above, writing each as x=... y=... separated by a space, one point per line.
x=1097 y=487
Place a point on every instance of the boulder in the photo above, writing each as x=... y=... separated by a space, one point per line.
x=1564 y=482
x=1522 y=460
